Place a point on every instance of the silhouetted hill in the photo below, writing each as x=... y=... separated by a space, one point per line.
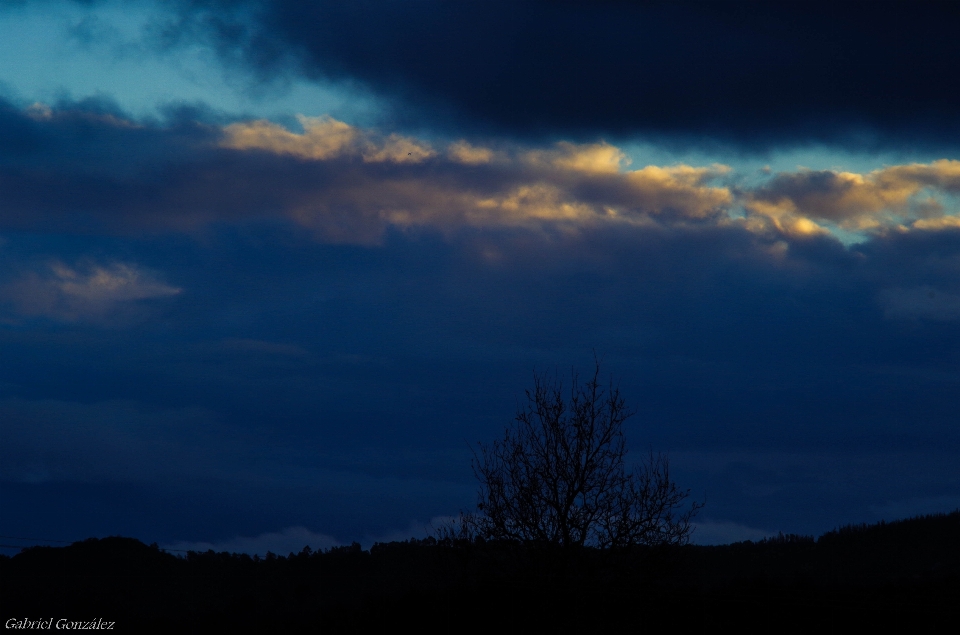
x=880 y=576
x=926 y=547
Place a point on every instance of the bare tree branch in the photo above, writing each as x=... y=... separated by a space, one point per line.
x=558 y=475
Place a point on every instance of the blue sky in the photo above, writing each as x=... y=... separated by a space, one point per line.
x=113 y=51
x=267 y=270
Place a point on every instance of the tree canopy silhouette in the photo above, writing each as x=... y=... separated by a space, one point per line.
x=559 y=476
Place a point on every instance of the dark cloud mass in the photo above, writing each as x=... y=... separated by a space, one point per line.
x=755 y=74
x=221 y=332
x=339 y=386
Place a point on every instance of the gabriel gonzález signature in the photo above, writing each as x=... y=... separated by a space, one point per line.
x=62 y=624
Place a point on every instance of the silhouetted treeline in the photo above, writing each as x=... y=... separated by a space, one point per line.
x=901 y=574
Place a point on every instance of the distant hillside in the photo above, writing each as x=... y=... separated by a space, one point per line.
x=901 y=573
x=925 y=547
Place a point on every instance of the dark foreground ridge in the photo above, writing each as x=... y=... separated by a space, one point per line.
x=891 y=575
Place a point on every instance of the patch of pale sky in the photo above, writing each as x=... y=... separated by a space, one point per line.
x=57 y=50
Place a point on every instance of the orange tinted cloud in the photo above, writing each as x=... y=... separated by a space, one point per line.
x=886 y=197
x=348 y=184
x=324 y=138
x=573 y=184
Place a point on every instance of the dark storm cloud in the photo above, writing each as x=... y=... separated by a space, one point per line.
x=755 y=74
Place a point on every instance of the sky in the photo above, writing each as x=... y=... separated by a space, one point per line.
x=269 y=271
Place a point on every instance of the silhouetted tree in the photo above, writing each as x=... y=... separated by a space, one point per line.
x=558 y=476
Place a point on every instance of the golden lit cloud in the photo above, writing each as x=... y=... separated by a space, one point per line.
x=595 y=157
x=349 y=184
x=572 y=184
x=538 y=201
x=943 y=174
x=887 y=197
x=943 y=222
x=681 y=189
x=360 y=212
x=463 y=152
x=396 y=149
x=322 y=138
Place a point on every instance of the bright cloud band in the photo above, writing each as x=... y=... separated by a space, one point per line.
x=348 y=184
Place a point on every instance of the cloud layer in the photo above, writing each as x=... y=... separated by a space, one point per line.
x=756 y=75
x=348 y=184
x=217 y=325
